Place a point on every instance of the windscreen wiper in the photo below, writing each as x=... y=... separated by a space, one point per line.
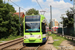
x=30 y=33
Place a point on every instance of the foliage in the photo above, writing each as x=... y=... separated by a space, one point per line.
x=9 y=24
x=32 y=11
x=1 y=1
x=10 y=8
x=68 y=21
x=60 y=22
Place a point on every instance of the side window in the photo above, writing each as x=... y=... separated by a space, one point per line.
x=43 y=28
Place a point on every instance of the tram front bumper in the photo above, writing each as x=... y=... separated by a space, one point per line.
x=32 y=40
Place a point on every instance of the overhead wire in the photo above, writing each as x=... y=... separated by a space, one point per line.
x=39 y=4
x=23 y=8
x=40 y=7
x=17 y=5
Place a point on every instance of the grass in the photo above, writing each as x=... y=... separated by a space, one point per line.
x=10 y=38
x=0 y=42
x=60 y=40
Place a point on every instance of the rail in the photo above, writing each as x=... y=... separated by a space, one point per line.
x=10 y=43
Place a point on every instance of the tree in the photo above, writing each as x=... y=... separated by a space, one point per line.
x=32 y=11
x=1 y=1
x=9 y=24
x=60 y=22
x=68 y=21
x=10 y=8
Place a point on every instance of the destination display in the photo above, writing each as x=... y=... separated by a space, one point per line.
x=32 y=18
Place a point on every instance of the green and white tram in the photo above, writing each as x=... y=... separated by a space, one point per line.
x=34 y=29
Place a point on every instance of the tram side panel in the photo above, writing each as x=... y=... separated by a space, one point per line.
x=44 y=32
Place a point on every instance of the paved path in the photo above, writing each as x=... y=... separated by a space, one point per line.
x=48 y=45
x=68 y=45
x=50 y=42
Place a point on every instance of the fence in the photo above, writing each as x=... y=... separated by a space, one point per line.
x=67 y=31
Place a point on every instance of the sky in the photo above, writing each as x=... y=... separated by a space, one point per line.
x=58 y=7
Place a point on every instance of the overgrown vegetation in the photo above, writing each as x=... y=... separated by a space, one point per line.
x=58 y=38
x=9 y=23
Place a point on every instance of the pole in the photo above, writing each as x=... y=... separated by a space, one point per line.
x=74 y=14
x=19 y=21
x=51 y=17
x=62 y=24
x=62 y=28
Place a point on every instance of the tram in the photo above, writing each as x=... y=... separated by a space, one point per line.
x=34 y=29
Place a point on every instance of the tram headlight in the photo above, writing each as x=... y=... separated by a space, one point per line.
x=25 y=37
x=39 y=37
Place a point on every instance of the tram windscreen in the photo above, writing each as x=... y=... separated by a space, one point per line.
x=32 y=23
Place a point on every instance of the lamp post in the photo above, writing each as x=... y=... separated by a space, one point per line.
x=43 y=13
x=51 y=17
x=62 y=24
x=19 y=22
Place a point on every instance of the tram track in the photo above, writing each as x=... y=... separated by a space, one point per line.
x=21 y=47
x=39 y=47
x=10 y=43
x=18 y=45
x=29 y=48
